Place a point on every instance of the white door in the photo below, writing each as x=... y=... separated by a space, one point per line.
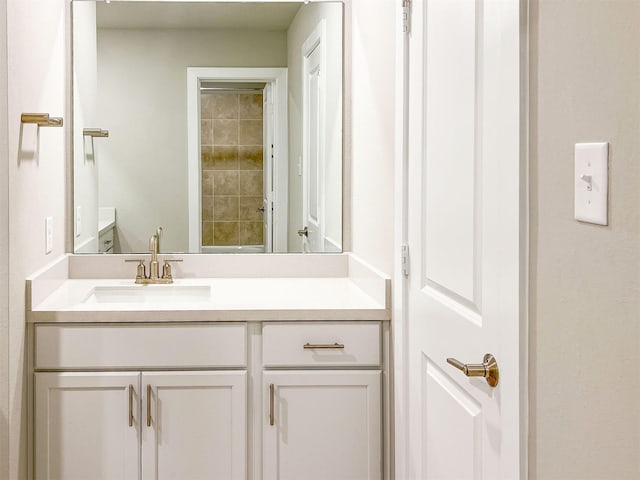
x=321 y=425
x=194 y=425
x=87 y=426
x=313 y=146
x=465 y=239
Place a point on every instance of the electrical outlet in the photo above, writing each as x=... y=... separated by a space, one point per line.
x=48 y=225
x=78 y=221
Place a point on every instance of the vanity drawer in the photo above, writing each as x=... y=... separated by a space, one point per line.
x=140 y=346
x=292 y=344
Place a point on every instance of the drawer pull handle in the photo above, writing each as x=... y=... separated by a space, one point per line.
x=308 y=346
x=130 y=405
x=148 y=405
x=272 y=389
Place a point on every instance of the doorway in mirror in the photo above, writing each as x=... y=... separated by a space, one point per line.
x=237 y=156
x=235 y=167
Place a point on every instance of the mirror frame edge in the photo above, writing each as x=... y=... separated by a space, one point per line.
x=346 y=121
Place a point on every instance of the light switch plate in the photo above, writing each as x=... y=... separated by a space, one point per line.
x=48 y=225
x=591 y=182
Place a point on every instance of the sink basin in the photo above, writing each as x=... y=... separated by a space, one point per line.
x=163 y=294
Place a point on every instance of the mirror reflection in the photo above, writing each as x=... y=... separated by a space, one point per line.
x=219 y=122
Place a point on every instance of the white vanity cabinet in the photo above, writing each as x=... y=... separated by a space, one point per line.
x=75 y=412
x=324 y=419
x=146 y=424
x=270 y=400
x=149 y=425
x=194 y=425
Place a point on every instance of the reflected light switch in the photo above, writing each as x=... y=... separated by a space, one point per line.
x=591 y=182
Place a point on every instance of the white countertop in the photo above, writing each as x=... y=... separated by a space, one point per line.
x=106 y=219
x=230 y=299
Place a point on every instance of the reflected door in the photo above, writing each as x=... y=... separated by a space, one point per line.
x=464 y=238
x=313 y=147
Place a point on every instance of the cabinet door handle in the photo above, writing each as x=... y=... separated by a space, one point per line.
x=130 y=405
x=148 y=405
x=272 y=389
x=308 y=346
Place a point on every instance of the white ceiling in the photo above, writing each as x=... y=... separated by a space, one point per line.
x=263 y=16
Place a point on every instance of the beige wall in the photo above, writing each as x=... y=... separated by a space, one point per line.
x=143 y=102
x=36 y=83
x=4 y=251
x=373 y=83
x=86 y=151
x=585 y=279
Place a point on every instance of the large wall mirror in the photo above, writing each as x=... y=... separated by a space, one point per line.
x=220 y=122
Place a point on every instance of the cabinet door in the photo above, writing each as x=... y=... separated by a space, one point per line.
x=194 y=425
x=322 y=425
x=87 y=426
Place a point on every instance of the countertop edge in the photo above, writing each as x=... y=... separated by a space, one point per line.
x=162 y=316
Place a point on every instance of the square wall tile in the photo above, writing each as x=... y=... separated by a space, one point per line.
x=226 y=182
x=251 y=182
x=250 y=233
x=225 y=132
x=250 y=106
x=250 y=209
x=250 y=132
x=206 y=156
x=250 y=157
x=224 y=158
x=225 y=208
x=225 y=105
x=225 y=233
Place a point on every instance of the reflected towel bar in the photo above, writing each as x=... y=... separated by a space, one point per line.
x=95 y=132
x=41 y=119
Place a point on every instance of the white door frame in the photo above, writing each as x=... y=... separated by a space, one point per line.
x=400 y=283
x=278 y=78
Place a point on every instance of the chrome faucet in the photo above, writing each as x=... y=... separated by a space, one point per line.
x=154 y=264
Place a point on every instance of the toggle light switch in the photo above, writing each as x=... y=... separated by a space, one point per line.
x=591 y=182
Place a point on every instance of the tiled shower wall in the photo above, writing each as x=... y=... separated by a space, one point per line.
x=232 y=169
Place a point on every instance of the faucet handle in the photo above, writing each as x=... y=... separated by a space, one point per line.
x=166 y=268
x=141 y=271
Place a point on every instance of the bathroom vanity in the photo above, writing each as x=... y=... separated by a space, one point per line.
x=253 y=372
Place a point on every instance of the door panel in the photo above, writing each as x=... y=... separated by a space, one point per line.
x=451 y=133
x=82 y=426
x=313 y=148
x=453 y=427
x=198 y=425
x=464 y=234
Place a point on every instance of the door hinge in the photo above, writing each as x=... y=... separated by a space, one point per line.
x=404 y=259
x=406 y=16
